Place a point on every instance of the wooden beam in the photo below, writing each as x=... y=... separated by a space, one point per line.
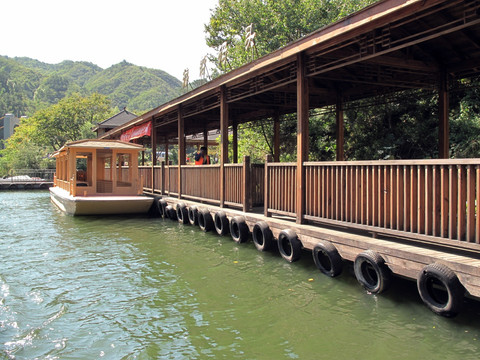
x=302 y=135
x=224 y=141
x=443 y=126
x=340 y=129
x=181 y=148
x=276 y=138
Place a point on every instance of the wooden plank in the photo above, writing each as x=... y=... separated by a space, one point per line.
x=421 y=200
x=477 y=219
x=413 y=199
x=387 y=195
x=381 y=202
x=393 y=197
x=399 y=200
x=406 y=198
x=471 y=206
x=428 y=200
x=452 y=208
x=462 y=203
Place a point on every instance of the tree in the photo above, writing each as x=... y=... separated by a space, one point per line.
x=49 y=129
x=275 y=22
x=69 y=120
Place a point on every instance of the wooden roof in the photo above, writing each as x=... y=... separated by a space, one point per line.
x=387 y=47
x=118 y=119
x=99 y=144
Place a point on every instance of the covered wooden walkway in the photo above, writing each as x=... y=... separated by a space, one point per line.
x=391 y=46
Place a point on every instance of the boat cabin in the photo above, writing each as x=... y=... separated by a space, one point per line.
x=98 y=167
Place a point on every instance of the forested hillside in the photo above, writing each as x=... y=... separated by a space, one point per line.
x=27 y=85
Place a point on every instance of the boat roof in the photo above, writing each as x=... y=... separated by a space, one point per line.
x=99 y=144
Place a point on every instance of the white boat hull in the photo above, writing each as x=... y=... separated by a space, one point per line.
x=99 y=205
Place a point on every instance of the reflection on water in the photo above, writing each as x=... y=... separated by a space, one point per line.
x=139 y=288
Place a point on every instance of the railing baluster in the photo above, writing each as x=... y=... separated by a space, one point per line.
x=462 y=203
x=421 y=200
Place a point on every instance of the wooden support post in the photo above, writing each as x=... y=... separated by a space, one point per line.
x=163 y=178
x=266 y=190
x=166 y=152
x=154 y=153
x=143 y=157
x=205 y=139
x=235 y=142
x=224 y=141
x=247 y=190
x=340 y=129
x=302 y=135
x=181 y=148
x=443 y=128
x=276 y=138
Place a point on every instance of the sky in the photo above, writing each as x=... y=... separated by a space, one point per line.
x=161 y=34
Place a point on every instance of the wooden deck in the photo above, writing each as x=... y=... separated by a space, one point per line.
x=403 y=258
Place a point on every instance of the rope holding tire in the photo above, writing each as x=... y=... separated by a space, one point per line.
x=193 y=215
x=327 y=259
x=440 y=290
x=262 y=236
x=372 y=272
x=289 y=246
x=239 y=229
x=205 y=221
x=182 y=213
x=221 y=223
x=162 y=205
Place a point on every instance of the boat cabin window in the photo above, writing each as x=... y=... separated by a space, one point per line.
x=123 y=165
x=84 y=165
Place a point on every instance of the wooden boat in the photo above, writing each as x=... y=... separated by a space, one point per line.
x=99 y=177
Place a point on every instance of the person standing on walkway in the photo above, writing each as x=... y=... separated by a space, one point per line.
x=201 y=157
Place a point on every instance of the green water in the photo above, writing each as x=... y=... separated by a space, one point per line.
x=140 y=288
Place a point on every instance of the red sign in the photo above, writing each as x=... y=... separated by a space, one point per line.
x=137 y=132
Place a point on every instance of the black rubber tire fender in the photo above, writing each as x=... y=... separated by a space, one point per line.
x=222 y=225
x=440 y=290
x=327 y=259
x=289 y=245
x=182 y=213
x=162 y=205
x=205 y=220
x=372 y=272
x=193 y=215
x=171 y=213
x=262 y=236
x=239 y=229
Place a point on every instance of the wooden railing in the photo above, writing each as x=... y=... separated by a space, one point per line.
x=201 y=182
x=158 y=179
x=63 y=184
x=281 y=180
x=234 y=184
x=421 y=197
x=145 y=173
x=257 y=184
x=171 y=180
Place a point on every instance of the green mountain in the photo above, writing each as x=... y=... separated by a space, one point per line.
x=27 y=85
